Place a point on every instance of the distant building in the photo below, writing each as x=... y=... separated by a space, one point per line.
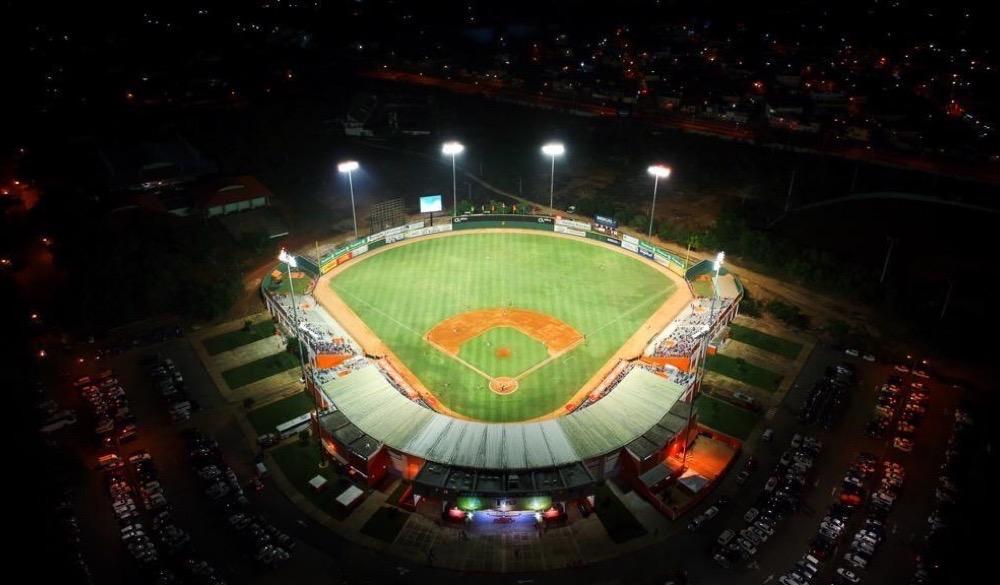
x=227 y=195
x=151 y=165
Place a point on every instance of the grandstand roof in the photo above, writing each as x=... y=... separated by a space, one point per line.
x=639 y=402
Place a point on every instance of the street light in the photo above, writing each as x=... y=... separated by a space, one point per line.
x=658 y=172
x=349 y=167
x=552 y=150
x=290 y=262
x=452 y=149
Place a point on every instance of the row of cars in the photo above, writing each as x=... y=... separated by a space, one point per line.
x=268 y=546
x=828 y=397
x=123 y=496
x=105 y=397
x=150 y=533
x=835 y=525
x=170 y=383
x=780 y=496
x=933 y=559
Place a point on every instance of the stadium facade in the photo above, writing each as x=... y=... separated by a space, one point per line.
x=635 y=423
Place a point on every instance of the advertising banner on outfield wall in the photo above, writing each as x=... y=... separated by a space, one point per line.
x=573 y=224
x=630 y=246
x=630 y=239
x=561 y=229
x=428 y=231
x=646 y=252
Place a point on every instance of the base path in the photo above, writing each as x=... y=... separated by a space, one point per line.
x=450 y=334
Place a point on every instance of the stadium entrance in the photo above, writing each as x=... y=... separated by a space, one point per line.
x=504 y=513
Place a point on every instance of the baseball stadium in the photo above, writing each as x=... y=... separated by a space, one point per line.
x=505 y=366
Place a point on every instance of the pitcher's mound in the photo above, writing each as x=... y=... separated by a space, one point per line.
x=502 y=352
x=503 y=385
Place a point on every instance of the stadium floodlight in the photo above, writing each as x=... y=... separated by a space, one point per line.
x=349 y=167
x=453 y=149
x=552 y=150
x=717 y=264
x=288 y=259
x=658 y=172
x=290 y=262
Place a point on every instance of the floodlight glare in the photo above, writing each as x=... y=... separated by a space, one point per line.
x=287 y=258
x=347 y=166
x=554 y=149
x=659 y=171
x=452 y=148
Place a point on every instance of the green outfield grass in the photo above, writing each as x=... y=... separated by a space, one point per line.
x=744 y=371
x=525 y=352
x=402 y=293
x=771 y=343
x=227 y=341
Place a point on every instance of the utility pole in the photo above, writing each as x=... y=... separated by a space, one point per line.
x=947 y=298
x=791 y=185
x=888 y=255
x=854 y=179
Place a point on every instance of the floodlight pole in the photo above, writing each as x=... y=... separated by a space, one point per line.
x=354 y=215
x=454 y=188
x=295 y=313
x=652 y=210
x=552 y=181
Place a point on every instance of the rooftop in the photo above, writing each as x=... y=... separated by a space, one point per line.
x=639 y=402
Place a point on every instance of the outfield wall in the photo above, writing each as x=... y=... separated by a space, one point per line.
x=329 y=260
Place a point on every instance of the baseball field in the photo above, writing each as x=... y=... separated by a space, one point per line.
x=503 y=326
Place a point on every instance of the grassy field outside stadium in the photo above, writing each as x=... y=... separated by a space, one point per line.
x=744 y=371
x=403 y=292
x=267 y=417
x=233 y=339
x=767 y=342
x=260 y=369
x=725 y=417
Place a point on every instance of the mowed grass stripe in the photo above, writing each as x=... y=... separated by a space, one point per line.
x=420 y=284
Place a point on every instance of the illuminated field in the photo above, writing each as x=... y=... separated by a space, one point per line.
x=404 y=292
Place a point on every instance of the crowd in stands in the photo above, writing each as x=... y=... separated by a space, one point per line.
x=684 y=333
x=609 y=385
x=675 y=375
x=393 y=379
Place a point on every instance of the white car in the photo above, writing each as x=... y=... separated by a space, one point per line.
x=852 y=352
x=848 y=575
x=855 y=560
x=751 y=515
x=868 y=357
x=710 y=512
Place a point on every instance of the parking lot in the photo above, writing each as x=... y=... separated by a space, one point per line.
x=321 y=552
